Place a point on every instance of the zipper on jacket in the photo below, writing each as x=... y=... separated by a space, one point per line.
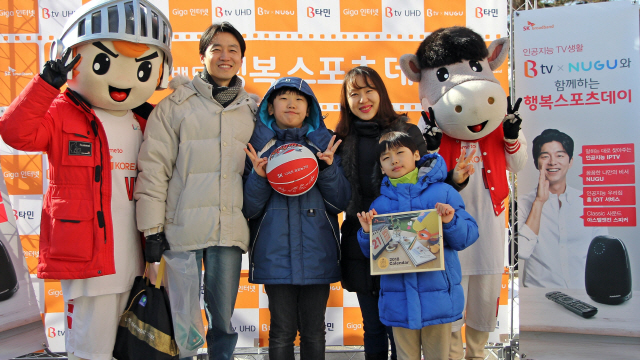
x=71 y=95
x=94 y=126
x=256 y=242
x=100 y=214
x=70 y=221
x=72 y=98
x=334 y=236
x=82 y=136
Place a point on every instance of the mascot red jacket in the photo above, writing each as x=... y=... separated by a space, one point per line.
x=114 y=71
x=76 y=233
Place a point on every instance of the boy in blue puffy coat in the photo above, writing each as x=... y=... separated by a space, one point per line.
x=420 y=306
x=295 y=249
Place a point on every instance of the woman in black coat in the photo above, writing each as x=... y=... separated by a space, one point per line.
x=366 y=112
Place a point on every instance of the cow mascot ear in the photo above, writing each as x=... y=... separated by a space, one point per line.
x=432 y=135
x=498 y=51
x=410 y=67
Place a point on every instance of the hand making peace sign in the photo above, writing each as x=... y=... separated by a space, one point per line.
x=327 y=155
x=259 y=164
x=464 y=168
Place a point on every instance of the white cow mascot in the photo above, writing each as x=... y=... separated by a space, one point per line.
x=467 y=104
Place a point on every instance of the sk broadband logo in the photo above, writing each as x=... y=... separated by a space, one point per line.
x=18 y=65
x=532 y=26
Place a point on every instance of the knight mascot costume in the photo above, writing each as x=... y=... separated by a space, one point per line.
x=466 y=106
x=112 y=55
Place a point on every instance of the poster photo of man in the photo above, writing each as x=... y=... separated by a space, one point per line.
x=553 y=240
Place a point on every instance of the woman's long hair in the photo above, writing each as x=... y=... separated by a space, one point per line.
x=385 y=116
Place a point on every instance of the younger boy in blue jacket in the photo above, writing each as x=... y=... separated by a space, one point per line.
x=295 y=249
x=420 y=306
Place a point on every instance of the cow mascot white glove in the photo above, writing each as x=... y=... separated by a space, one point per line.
x=465 y=101
x=112 y=55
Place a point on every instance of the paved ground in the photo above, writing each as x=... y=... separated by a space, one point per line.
x=332 y=353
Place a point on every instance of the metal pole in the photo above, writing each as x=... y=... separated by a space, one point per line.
x=512 y=176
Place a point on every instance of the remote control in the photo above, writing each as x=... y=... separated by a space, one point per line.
x=576 y=306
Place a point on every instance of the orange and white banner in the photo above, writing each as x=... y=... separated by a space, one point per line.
x=318 y=41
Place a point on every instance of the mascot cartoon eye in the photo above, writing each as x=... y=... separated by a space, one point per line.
x=101 y=64
x=475 y=66
x=442 y=74
x=144 y=71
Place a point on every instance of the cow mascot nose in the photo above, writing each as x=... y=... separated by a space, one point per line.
x=469 y=111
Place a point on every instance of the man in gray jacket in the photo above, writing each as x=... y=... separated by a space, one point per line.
x=189 y=189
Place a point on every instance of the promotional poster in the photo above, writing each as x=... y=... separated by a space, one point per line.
x=577 y=70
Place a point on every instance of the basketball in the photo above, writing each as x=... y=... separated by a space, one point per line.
x=292 y=169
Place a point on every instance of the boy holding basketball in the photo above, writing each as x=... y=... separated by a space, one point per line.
x=295 y=248
x=420 y=306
